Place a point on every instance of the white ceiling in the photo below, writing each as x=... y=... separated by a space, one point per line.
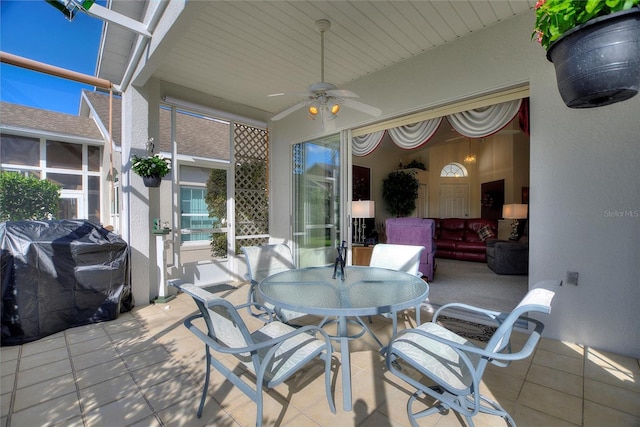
x=243 y=51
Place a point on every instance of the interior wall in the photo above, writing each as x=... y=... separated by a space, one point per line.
x=585 y=193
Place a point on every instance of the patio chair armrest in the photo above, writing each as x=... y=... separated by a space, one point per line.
x=188 y=322
x=267 y=310
x=491 y=314
x=460 y=349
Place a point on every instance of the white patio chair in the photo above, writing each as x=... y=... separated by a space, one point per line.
x=400 y=258
x=272 y=354
x=457 y=365
x=264 y=261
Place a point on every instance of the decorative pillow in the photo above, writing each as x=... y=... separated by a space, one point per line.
x=486 y=233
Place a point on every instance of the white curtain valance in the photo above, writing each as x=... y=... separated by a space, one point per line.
x=416 y=134
x=482 y=122
x=365 y=144
x=476 y=123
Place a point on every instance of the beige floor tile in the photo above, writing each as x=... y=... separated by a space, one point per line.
x=94 y=375
x=552 y=402
x=152 y=356
x=89 y=346
x=613 y=361
x=557 y=380
x=44 y=391
x=525 y=416
x=43 y=345
x=39 y=359
x=95 y=358
x=302 y=421
x=497 y=384
x=611 y=396
x=122 y=412
x=108 y=391
x=158 y=373
x=7 y=382
x=596 y=415
x=183 y=414
x=562 y=347
x=85 y=333
x=50 y=412
x=43 y=373
x=162 y=395
x=571 y=365
x=5 y=405
x=275 y=412
x=9 y=353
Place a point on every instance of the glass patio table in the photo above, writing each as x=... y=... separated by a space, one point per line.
x=362 y=291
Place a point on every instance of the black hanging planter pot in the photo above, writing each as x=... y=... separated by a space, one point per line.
x=598 y=63
x=152 y=181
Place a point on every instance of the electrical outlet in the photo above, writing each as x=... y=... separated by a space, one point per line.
x=572 y=278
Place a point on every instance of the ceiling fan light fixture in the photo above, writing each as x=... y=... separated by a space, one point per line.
x=335 y=108
x=313 y=110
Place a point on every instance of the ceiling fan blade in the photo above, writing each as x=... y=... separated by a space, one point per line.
x=357 y=105
x=289 y=94
x=290 y=110
x=342 y=93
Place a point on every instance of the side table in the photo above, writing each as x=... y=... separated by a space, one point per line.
x=361 y=255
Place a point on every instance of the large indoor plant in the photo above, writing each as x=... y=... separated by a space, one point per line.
x=151 y=168
x=594 y=46
x=400 y=191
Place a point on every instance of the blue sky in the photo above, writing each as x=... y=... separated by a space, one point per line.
x=36 y=30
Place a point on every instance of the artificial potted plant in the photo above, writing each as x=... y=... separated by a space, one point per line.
x=594 y=46
x=151 y=168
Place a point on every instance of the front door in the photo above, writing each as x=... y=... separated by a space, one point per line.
x=454 y=200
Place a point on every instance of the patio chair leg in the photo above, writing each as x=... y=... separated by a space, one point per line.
x=206 y=382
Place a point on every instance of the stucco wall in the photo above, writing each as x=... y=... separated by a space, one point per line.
x=585 y=192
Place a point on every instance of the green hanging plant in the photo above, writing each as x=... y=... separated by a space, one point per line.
x=151 y=166
x=400 y=191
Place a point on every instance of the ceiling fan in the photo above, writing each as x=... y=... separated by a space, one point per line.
x=325 y=99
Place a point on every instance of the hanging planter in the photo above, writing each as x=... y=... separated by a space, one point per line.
x=152 y=181
x=598 y=63
x=151 y=169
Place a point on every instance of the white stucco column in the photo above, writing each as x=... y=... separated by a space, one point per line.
x=139 y=203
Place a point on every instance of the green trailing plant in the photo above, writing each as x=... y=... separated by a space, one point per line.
x=556 y=17
x=151 y=166
x=27 y=197
x=415 y=164
x=400 y=191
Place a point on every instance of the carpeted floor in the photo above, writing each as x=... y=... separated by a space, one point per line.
x=475 y=284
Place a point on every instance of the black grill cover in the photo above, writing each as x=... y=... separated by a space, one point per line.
x=58 y=275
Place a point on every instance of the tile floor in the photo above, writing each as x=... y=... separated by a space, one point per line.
x=146 y=369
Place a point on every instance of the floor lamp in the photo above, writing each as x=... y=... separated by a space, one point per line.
x=514 y=212
x=359 y=211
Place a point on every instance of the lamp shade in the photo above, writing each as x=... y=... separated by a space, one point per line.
x=363 y=209
x=514 y=211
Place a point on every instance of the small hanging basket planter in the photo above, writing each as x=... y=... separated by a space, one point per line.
x=598 y=63
x=152 y=181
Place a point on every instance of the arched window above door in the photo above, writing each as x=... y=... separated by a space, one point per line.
x=453 y=170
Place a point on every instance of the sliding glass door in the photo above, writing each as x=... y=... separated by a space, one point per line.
x=317 y=200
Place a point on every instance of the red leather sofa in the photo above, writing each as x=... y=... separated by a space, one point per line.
x=464 y=238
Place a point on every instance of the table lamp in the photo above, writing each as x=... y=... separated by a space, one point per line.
x=359 y=211
x=515 y=212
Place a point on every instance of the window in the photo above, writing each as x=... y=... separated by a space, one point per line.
x=75 y=167
x=453 y=170
x=20 y=150
x=194 y=214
